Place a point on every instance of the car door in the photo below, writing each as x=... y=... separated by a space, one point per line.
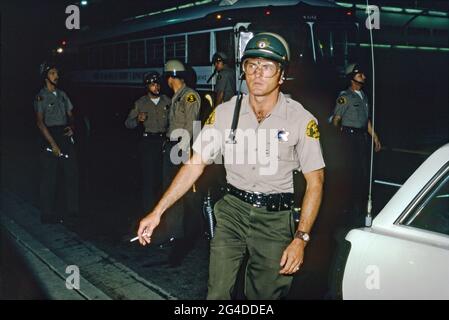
x=408 y=259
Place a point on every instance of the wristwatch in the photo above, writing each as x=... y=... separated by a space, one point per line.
x=304 y=236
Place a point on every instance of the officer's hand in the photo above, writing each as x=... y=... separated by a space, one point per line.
x=292 y=257
x=142 y=116
x=68 y=131
x=146 y=227
x=377 y=145
x=55 y=149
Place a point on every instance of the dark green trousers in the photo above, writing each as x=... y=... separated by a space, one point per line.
x=261 y=235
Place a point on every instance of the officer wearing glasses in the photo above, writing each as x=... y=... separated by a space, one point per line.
x=274 y=136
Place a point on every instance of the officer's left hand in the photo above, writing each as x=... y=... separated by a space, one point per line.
x=292 y=257
x=68 y=131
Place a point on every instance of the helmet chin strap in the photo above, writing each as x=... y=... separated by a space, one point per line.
x=358 y=82
x=53 y=83
x=154 y=94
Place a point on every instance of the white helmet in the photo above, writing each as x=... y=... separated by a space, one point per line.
x=174 y=68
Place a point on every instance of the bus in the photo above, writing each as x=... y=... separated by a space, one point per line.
x=322 y=36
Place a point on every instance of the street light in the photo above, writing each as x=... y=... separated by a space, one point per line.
x=60 y=50
x=84 y=3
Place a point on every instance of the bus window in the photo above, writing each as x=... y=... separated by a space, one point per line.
x=137 y=53
x=175 y=48
x=83 y=58
x=334 y=44
x=155 y=52
x=225 y=44
x=95 y=58
x=122 y=55
x=108 y=56
x=301 y=52
x=199 y=47
x=244 y=37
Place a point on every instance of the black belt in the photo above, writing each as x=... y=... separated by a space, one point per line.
x=273 y=202
x=352 y=130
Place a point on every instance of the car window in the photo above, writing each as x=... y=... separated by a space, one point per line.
x=433 y=212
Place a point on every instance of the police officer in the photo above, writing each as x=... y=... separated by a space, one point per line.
x=151 y=112
x=254 y=219
x=352 y=117
x=185 y=216
x=225 y=84
x=54 y=118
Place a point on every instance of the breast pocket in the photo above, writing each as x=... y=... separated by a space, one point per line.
x=286 y=152
x=51 y=109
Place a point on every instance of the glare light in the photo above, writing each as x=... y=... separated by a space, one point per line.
x=267 y=12
x=64 y=42
x=391 y=9
x=60 y=50
x=438 y=13
x=218 y=16
x=414 y=11
x=344 y=4
x=84 y=3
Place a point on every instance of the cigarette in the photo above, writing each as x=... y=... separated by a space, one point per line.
x=135 y=238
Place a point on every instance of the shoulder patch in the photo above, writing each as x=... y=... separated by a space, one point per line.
x=342 y=100
x=211 y=119
x=312 y=130
x=191 y=98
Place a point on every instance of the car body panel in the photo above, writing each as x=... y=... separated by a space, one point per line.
x=395 y=261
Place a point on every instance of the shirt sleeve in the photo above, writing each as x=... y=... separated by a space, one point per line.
x=341 y=105
x=131 y=121
x=39 y=104
x=191 y=104
x=308 y=148
x=68 y=103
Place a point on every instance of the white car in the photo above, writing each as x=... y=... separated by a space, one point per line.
x=405 y=254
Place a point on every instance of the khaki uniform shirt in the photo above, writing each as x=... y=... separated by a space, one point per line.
x=54 y=106
x=286 y=140
x=157 y=114
x=185 y=109
x=352 y=109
